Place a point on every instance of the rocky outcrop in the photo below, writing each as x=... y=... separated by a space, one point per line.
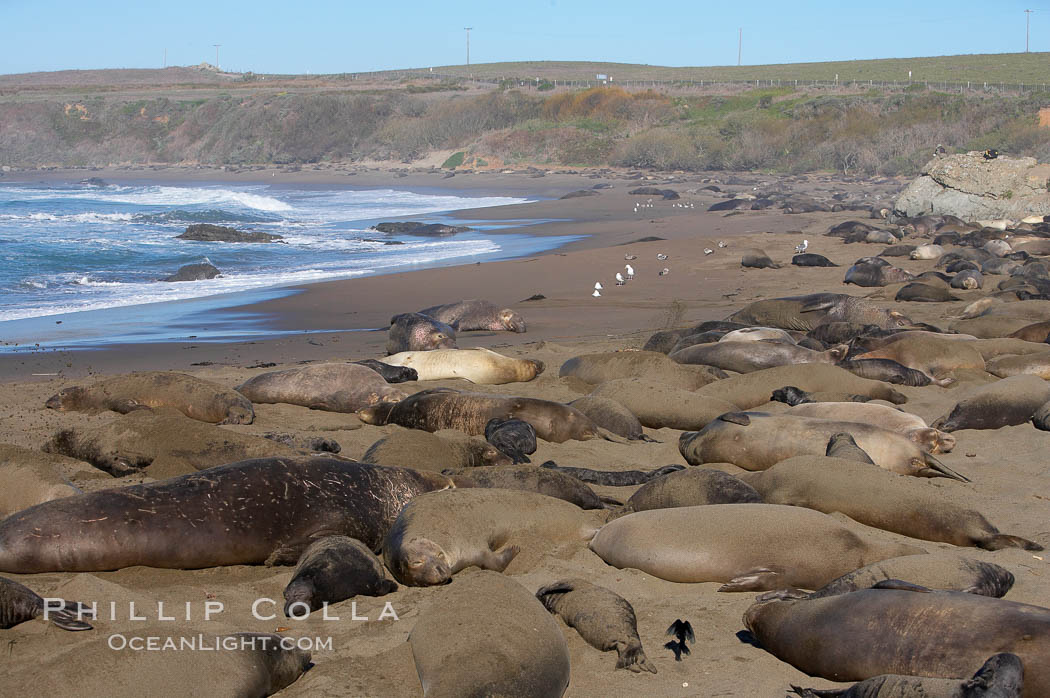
x=194 y=272
x=423 y=229
x=974 y=187
x=206 y=232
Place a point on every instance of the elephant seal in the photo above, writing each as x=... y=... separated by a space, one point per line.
x=843 y=445
x=602 y=617
x=335 y=387
x=1041 y=418
x=612 y=415
x=871 y=275
x=694 y=339
x=613 y=478
x=967 y=279
x=522 y=655
x=198 y=399
x=758 y=334
x=476 y=365
x=529 y=478
x=912 y=426
x=918 y=292
x=662 y=340
x=933 y=356
x=1025 y=365
x=878 y=634
x=442 y=408
x=1036 y=332
x=1002 y=676
x=423 y=450
x=927 y=252
x=19 y=603
x=748 y=547
x=435 y=537
x=890 y=503
x=333 y=569
x=245 y=513
x=164 y=441
x=790 y=395
x=810 y=259
x=391 y=374
x=650 y=365
x=898 y=251
x=942 y=570
x=807 y=312
x=1002 y=346
x=757 y=259
x=512 y=437
x=1006 y=402
x=416 y=332
x=989 y=326
x=758 y=440
x=692 y=487
x=30 y=477
x=890 y=371
x=754 y=389
x=476 y=315
x=745 y=357
x=659 y=405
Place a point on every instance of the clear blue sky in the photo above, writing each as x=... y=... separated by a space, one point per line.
x=349 y=36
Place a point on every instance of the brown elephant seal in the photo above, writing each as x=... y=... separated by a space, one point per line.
x=663 y=340
x=918 y=292
x=333 y=569
x=391 y=374
x=891 y=502
x=1006 y=402
x=843 y=445
x=476 y=365
x=512 y=437
x=694 y=339
x=245 y=513
x=759 y=334
x=1041 y=418
x=989 y=326
x=757 y=259
x=1036 y=332
x=650 y=365
x=811 y=259
x=692 y=487
x=1025 y=365
x=415 y=332
x=164 y=441
x=933 y=356
x=442 y=408
x=1000 y=346
x=476 y=315
x=530 y=478
x=745 y=357
x=890 y=371
x=19 y=603
x=910 y=425
x=790 y=395
x=523 y=655
x=876 y=633
x=311 y=444
x=758 y=440
x=941 y=570
x=659 y=405
x=423 y=450
x=335 y=387
x=1002 y=676
x=748 y=547
x=30 y=477
x=613 y=478
x=602 y=617
x=873 y=275
x=196 y=398
x=612 y=415
x=435 y=537
x=754 y=389
x=807 y=312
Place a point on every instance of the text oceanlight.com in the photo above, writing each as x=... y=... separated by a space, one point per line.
x=208 y=643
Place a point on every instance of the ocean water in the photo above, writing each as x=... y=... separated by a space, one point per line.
x=69 y=249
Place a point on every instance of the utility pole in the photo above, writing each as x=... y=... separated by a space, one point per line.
x=468 y=43
x=1027 y=18
x=165 y=58
x=739 y=45
x=216 y=55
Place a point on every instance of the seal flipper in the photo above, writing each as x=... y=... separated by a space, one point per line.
x=815 y=693
x=69 y=616
x=761 y=579
x=1000 y=541
x=782 y=594
x=900 y=585
x=632 y=657
x=497 y=562
x=935 y=468
x=289 y=552
x=740 y=418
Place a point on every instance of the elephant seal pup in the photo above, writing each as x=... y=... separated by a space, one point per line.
x=198 y=399
x=810 y=259
x=650 y=365
x=659 y=405
x=844 y=446
x=442 y=408
x=435 y=537
x=391 y=374
x=918 y=292
x=941 y=570
x=807 y=312
x=1006 y=402
x=692 y=487
x=613 y=478
x=30 y=477
x=476 y=365
x=335 y=387
x=890 y=371
x=512 y=437
x=423 y=450
x=757 y=259
x=745 y=357
x=602 y=617
x=758 y=440
x=1002 y=676
x=748 y=547
x=931 y=355
x=927 y=252
x=891 y=502
x=522 y=655
x=753 y=389
x=529 y=478
x=245 y=513
x=1026 y=365
x=19 y=603
x=877 y=633
x=476 y=315
x=1036 y=332
x=967 y=279
x=333 y=569
x=610 y=414
x=415 y=332
x=910 y=425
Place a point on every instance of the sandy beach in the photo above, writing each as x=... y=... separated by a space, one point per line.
x=370 y=657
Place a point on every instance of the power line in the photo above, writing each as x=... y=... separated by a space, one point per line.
x=216 y=55
x=1027 y=17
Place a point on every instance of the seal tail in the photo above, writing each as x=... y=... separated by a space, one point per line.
x=1000 y=541
x=604 y=433
x=633 y=658
x=935 y=468
x=69 y=616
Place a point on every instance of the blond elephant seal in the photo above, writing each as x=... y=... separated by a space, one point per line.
x=475 y=365
x=889 y=418
x=460 y=649
x=748 y=547
x=335 y=387
x=754 y=389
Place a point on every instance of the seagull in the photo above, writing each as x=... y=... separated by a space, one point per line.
x=598 y=286
x=708 y=250
x=630 y=271
x=619 y=279
x=661 y=257
x=723 y=243
x=665 y=271
x=630 y=257
x=799 y=249
x=597 y=293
